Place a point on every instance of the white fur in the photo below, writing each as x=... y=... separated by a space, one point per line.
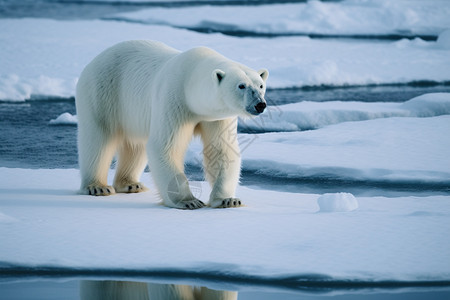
x=145 y=100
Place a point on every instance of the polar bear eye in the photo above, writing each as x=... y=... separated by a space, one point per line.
x=241 y=86
x=261 y=86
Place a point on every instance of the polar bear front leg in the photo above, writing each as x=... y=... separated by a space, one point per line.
x=222 y=161
x=166 y=162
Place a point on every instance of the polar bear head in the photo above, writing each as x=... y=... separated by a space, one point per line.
x=241 y=89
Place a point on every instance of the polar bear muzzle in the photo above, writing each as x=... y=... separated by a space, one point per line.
x=256 y=105
x=260 y=107
x=256 y=108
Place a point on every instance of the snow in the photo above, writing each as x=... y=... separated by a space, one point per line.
x=275 y=234
x=337 y=202
x=64 y=119
x=42 y=57
x=428 y=105
x=351 y=17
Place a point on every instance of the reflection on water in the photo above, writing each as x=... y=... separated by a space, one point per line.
x=128 y=290
x=57 y=288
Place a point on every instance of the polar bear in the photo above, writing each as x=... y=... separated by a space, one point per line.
x=145 y=100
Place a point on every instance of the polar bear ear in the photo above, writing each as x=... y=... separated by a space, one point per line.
x=264 y=73
x=218 y=75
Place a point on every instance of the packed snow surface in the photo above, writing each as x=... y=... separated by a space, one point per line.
x=43 y=222
x=42 y=57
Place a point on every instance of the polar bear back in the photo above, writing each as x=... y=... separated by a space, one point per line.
x=103 y=90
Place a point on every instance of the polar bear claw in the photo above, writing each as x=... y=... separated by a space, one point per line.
x=225 y=203
x=187 y=204
x=136 y=187
x=100 y=190
x=192 y=204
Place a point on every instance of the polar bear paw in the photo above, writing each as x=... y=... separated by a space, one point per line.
x=225 y=203
x=190 y=204
x=100 y=190
x=135 y=187
x=186 y=204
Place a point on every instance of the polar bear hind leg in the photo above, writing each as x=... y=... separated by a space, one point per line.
x=132 y=161
x=95 y=155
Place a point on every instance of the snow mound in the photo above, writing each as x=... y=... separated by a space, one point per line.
x=64 y=119
x=337 y=202
x=428 y=105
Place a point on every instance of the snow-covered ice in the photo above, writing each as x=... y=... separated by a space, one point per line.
x=53 y=53
x=276 y=234
x=348 y=17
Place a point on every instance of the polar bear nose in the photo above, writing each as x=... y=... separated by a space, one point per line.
x=260 y=107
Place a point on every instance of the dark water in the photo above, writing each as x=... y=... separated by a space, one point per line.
x=374 y=93
x=27 y=139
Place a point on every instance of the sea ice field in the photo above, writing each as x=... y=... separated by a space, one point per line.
x=345 y=178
